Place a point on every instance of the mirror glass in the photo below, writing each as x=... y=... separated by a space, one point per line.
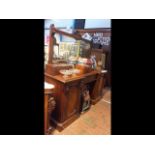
x=68 y=49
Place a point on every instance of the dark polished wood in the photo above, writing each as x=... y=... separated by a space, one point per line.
x=75 y=36
x=95 y=30
x=96 y=94
x=69 y=91
x=49 y=105
x=68 y=94
x=51 y=43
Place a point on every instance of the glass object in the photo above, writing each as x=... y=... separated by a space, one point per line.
x=66 y=73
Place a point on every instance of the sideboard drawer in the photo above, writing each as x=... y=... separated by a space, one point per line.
x=89 y=79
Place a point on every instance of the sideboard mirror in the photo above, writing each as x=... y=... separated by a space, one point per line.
x=64 y=46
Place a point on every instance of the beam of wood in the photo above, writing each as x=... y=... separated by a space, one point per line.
x=75 y=36
x=97 y=30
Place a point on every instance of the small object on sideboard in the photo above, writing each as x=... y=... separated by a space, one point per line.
x=54 y=69
x=66 y=72
x=103 y=71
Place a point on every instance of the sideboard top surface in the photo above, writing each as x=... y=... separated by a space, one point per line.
x=72 y=78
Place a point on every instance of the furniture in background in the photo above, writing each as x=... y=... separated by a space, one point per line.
x=100 y=51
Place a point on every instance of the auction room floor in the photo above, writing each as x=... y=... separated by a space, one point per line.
x=96 y=121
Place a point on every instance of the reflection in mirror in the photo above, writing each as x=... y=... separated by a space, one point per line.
x=69 y=50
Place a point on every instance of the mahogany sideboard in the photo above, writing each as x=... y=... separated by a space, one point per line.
x=68 y=94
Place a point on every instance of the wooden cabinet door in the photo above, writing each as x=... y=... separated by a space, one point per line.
x=98 y=87
x=72 y=101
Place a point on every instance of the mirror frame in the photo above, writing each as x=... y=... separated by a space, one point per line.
x=52 y=40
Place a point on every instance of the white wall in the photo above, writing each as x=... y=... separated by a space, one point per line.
x=67 y=23
x=97 y=23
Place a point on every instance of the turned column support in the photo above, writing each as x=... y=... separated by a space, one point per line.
x=49 y=106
